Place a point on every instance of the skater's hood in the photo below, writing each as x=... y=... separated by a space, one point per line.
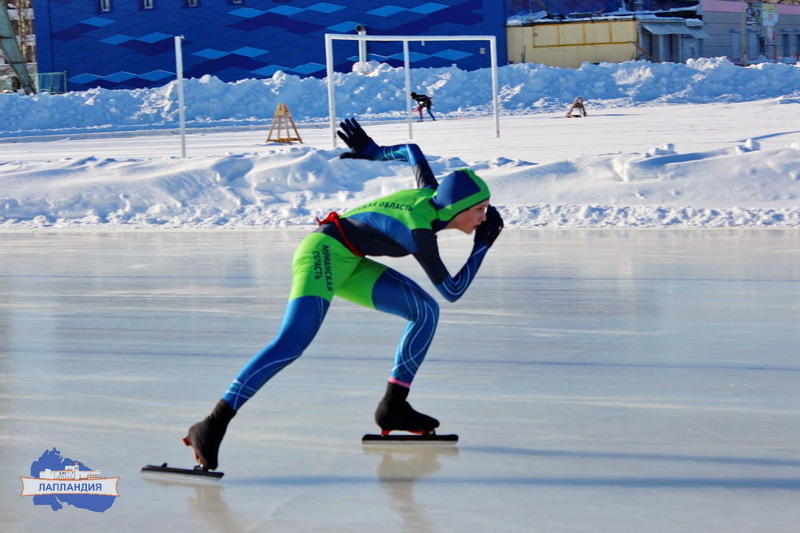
x=457 y=192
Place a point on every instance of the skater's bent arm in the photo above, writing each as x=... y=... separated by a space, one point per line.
x=450 y=287
x=414 y=156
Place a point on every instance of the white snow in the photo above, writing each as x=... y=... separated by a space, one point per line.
x=705 y=144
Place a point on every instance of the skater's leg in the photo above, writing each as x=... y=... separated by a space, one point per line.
x=396 y=294
x=301 y=322
x=320 y=264
x=387 y=290
x=431 y=113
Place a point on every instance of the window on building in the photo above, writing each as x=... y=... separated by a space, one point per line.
x=736 y=47
x=786 y=44
x=756 y=44
x=105 y=6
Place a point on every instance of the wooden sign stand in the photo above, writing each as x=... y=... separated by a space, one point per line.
x=283 y=119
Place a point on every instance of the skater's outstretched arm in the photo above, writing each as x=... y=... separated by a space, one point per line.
x=363 y=147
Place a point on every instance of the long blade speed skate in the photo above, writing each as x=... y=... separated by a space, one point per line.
x=429 y=437
x=197 y=471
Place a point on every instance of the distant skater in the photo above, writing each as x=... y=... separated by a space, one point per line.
x=332 y=261
x=423 y=101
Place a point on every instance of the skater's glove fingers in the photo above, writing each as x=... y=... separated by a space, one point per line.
x=493 y=218
x=346 y=134
x=352 y=124
x=352 y=133
x=343 y=136
x=361 y=145
x=489 y=229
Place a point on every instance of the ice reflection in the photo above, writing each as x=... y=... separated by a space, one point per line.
x=399 y=469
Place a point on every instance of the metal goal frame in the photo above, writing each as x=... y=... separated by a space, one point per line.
x=405 y=39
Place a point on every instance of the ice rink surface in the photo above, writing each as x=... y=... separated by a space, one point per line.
x=600 y=381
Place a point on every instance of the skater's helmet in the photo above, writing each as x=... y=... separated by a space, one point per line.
x=457 y=192
x=413 y=95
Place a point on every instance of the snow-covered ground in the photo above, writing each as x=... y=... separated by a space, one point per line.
x=706 y=144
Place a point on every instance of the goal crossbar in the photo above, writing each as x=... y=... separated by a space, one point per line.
x=405 y=39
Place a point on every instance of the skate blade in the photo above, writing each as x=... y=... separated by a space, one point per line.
x=432 y=438
x=196 y=472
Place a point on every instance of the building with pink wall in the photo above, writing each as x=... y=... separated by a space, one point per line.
x=770 y=30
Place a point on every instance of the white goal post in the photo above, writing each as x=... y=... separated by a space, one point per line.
x=405 y=39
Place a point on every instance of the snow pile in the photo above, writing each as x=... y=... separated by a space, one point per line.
x=652 y=153
x=378 y=93
x=289 y=186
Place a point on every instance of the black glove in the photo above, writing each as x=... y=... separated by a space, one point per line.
x=490 y=228
x=354 y=136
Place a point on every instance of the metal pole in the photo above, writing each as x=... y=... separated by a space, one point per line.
x=331 y=91
x=362 y=44
x=407 y=68
x=181 y=107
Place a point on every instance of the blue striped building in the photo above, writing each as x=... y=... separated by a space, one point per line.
x=128 y=44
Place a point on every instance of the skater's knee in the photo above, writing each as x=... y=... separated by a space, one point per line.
x=287 y=349
x=433 y=304
x=428 y=308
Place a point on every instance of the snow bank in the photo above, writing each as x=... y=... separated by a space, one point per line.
x=289 y=186
x=734 y=183
x=378 y=93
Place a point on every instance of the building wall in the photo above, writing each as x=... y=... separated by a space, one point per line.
x=725 y=22
x=571 y=44
x=130 y=46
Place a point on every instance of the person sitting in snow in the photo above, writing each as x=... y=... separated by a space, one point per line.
x=422 y=102
x=332 y=261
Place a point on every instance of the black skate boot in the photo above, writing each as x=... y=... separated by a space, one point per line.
x=206 y=436
x=395 y=413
